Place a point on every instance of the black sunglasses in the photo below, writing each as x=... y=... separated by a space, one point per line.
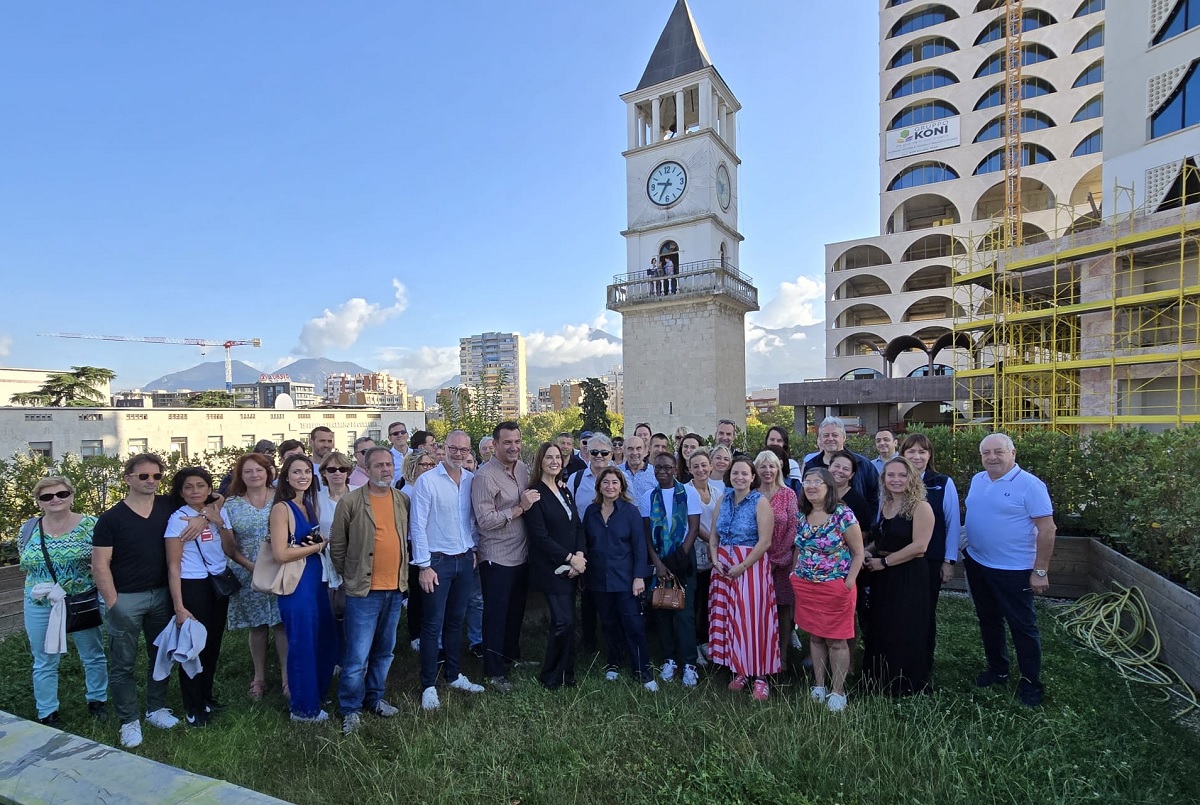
x=337 y=469
x=146 y=476
x=601 y=453
x=49 y=496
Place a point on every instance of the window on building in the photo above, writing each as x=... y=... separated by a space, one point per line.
x=1090 y=110
x=1089 y=7
x=179 y=445
x=1185 y=17
x=1092 y=39
x=1091 y=144
x=922 y=18
x=278 y=437
x=1094 y=74
x=1030 y=20
x=1181 y=110
x=90 y=448
x=1030 y=54
x=1030 y=121
x=43 y=449
x=921 y=50
x=1030 y=155
x=215 y=443
x=248 y=440
x=138 y=445
x=922 y=112
x=922 y=173
x=922 y=82
x=894 y=3
x=1030 y=88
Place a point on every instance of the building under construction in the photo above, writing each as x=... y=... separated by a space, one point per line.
x=1097 y=327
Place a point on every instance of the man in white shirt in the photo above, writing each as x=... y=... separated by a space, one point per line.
x=397 y=433
x=444 y=536
x=637 y=471
x=885 y=446
x=583 y=483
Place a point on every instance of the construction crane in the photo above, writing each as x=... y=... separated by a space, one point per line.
x=196 y=342
x=1013 y=228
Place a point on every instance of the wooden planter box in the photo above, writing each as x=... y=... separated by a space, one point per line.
x=12 y=596
x=1081 y=565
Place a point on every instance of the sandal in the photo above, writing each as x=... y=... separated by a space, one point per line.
x=257 y=686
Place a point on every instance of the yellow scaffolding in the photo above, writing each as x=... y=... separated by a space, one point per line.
x=1097 y=326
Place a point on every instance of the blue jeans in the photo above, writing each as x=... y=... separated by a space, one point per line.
x=445 y=609
x=475 y=614
x=370 y=622
x=1005 y=595
x=88 y=643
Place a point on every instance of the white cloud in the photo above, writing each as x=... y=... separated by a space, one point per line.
x=795 y=303
x=569 y=345
x=340 y=328
x=420 y=367
x=5 y=345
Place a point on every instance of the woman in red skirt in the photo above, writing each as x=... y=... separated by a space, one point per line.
x=743 y=624
x=829 y=554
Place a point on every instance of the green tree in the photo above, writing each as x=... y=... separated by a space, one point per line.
x=212 y=399
x=595 y=405
x=475 y=409
x=78 y=387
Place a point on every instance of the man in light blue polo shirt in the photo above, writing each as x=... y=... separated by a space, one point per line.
x=1010 y=537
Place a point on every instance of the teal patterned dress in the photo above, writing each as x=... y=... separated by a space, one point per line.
x=248 y=607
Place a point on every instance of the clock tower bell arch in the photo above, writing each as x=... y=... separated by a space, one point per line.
x=682 y=298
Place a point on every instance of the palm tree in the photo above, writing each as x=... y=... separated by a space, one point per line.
x=80 y=387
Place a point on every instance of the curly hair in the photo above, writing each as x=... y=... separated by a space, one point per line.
x=914 y=493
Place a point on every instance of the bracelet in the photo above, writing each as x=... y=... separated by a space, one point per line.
x=883 y=561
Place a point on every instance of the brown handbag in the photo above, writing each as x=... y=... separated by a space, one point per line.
x=668 y=595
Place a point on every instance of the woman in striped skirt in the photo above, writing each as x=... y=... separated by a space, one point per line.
x=743 y=621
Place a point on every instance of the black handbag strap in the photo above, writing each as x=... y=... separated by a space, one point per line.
x=46 y=553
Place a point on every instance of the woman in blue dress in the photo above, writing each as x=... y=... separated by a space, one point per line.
x=307 y=616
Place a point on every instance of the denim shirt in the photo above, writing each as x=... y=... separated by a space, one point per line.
x=737 y=524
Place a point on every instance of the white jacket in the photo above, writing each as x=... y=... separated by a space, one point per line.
x=56 y=629
x=180 y=644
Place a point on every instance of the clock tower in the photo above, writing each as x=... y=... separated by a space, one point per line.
x=682 y=299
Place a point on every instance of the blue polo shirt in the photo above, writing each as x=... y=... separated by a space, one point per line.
x=1001 y=533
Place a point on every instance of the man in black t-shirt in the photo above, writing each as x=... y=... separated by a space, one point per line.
x=129 y=563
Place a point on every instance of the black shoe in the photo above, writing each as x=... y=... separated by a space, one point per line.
x=989 y=678
x=1029 y=694
x=98 y=710
x=476 y=650
x=200 y=719
x=51 y=720
x=213 y=706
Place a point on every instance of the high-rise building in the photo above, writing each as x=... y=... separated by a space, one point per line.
x=487 y=358
x=891 y=300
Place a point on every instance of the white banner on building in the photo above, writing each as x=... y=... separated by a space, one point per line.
x=932 y=136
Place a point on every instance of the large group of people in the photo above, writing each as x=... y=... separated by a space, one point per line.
x=716 y=556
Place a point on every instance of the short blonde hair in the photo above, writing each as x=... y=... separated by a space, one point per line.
x=768 y=458
x=52 y=480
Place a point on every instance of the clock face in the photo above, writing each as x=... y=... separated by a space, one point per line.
x=723 y=189
x=666 y=183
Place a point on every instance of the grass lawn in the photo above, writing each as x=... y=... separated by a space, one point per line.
x=1095 y=740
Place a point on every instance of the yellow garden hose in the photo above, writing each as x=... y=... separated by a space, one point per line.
x=1119 y=625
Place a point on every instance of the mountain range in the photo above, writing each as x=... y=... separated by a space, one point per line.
x=211 y=374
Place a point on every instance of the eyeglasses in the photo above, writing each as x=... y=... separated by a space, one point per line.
x=337 y=469
x=398 y=433
x=426 y=465
x=146 y=476
x=458 y=450
x=601 y=453
x=814 y=483
x=49 y=496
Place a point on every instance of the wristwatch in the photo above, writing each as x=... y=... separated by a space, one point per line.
x=1041 y=574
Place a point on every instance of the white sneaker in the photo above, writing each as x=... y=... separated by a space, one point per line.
x=690 y=677
x=612 y=676
x=415 y=645
x=819 y=693
x=317 y=719
x=351 y=722
x=162 y=718
x=385 y=709
x=836 y=702
x=651 y=686
x=462 y=683
x=701 y=660
x=429 y=699
x=796 y=644
x=131 y=734
x=668 y=671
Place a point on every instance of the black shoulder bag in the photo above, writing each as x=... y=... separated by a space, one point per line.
x=83 y=609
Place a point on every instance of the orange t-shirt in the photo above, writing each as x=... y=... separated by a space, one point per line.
x=385 y=569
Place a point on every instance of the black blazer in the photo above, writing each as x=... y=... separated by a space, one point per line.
x=553 y=533
x=616 y=550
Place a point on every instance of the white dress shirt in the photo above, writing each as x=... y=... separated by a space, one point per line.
x=440 y=519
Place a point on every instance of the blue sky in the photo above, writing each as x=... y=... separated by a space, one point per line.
x=370 y=181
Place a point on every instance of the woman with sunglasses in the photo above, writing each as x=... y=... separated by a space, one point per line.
x=248 y=508
x=58 y=544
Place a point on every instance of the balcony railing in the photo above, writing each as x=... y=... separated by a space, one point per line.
x=701 y=278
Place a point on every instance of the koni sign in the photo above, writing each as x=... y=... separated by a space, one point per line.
x=922 y=137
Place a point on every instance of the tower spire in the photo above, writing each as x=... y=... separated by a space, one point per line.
x=679 y=51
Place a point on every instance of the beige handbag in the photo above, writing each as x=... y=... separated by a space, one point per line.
x=272 y=577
